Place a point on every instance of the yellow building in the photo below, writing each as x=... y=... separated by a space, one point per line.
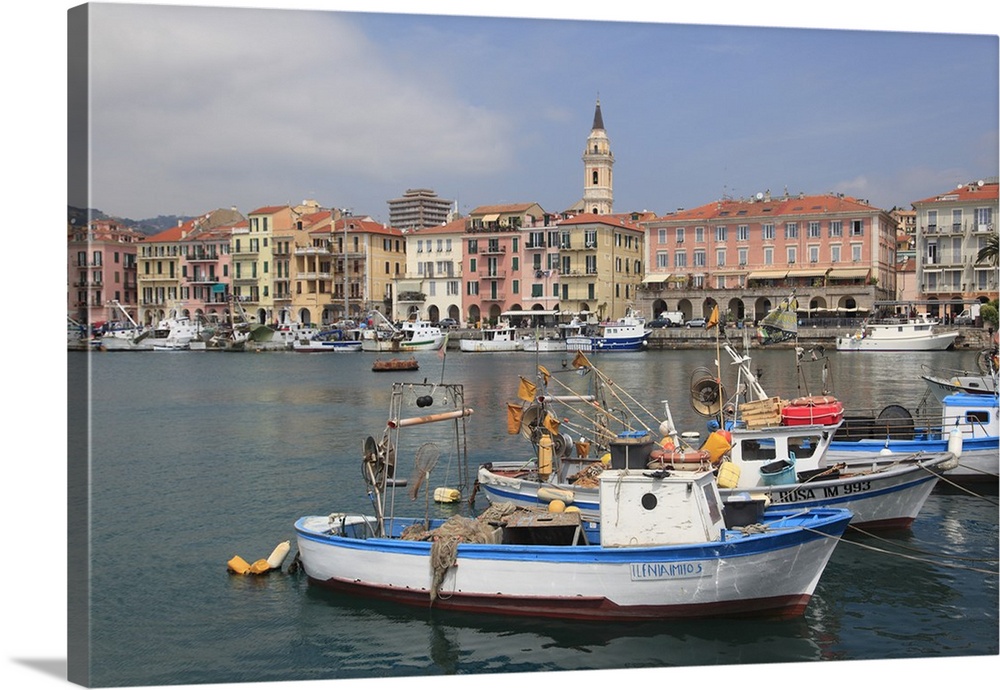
x=600 y=264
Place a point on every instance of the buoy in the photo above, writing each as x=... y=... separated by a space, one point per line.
x=557 y=506
x=572 y=509
x=551 y=493
x=544 y=457
x=443 y=494
x=238 y=565
x=279 y=554
x=729 y=475
x=955 y=442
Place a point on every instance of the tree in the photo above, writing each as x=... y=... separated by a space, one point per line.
x=990 y=253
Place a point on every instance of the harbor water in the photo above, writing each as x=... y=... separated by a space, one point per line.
x=200 y=456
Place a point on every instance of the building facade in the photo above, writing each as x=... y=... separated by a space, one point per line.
x=431 y=288
x=952 y=228
x=835 y=252
x=419 y=208
x=101 y=257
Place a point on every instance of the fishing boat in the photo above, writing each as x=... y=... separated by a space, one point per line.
x=627 y=334
x=396 y=364
x=966 y=423
x=945 y=383
x=330 y=340
x=756 y=451
x=662 y=548
x=414 y=335
x=553 y=343
x=124 y=335
x=900 y=332
x=499 y=338
x=173 y=333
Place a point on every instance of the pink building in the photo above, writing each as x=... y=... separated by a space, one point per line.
x=101 y=267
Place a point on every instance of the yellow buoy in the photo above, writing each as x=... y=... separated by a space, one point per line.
x=557 y=506
x=259 y=567
x=572 y=509
x=729 y=475
x=238 y=565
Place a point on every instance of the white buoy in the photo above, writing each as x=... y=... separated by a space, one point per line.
x=955 y=442
x=279 y=554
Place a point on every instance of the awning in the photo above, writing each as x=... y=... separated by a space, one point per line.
x=848 y=273
x=766 y=275
x=655 y=278
x=807 y=273
x=491 y=217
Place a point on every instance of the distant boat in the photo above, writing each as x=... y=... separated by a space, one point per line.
x=413 y=336
x=331 y=340
x=499 y=338
x=897 y=333
x=627 y=334
x=396 y=364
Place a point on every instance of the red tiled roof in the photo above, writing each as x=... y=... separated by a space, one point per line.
x=459 y=225
x=267 y=210
x=965 y=192
x=734 y=209
x=501 y=208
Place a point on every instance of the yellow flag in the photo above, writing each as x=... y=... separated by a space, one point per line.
x=514 y=414
x=713 y=319
x=551 y=423
x=580 y=361
x=545 y=374
x=526 y=391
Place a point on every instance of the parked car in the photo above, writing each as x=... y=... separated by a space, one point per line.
x=695 y=323
x=659 y=323
x=447 y=323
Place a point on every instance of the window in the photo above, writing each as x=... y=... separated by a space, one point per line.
x=699 y=235
x=791 y=231
x=516 y=287
x=472 y=288
x=679 y=235
x=662 y=260
x=742 y=233
x=473 y=248
x=420 y=246
x=814 y=254
x=956 y=220
x=720 y=233
x=835 y=253
x=857 y=228
x=855 y=252
x=836 y=228
x=661 y=235
x=680 y=259
x=699 y=257
x=536 y=290
x=720 y=257
x=743 y=252
x=792 y=253
x=767 y=231
x=813 y=229
x=768 y=256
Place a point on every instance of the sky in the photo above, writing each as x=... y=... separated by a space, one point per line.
x=197 y=108
x=255 y=108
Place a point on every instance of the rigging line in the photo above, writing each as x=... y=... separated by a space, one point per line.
x=614 y=387
x=916 y=550
x=961 y=488
x=903 y=555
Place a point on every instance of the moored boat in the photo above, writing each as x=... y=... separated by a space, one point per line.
x=499 y=338
x=396 y=364
x=627 y=334
x=662 y=549
x=901 y=332
x=414 y=335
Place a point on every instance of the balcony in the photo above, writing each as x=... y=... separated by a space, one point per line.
x=496 y=274
x=202 y=279
x=201 y=256
x=493 y=250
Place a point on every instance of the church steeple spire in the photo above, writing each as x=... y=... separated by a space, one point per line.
x=598 y=120
x=598 y=187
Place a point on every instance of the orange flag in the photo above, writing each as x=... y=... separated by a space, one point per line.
x=545 y=374
x=526 y=391
x=713 y=320
x=580 y=361
x=514 y=414
x=551 y=423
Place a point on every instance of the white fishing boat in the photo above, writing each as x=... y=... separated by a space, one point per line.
x=123 y=335
x=627 y=334
x=662 y=548
x=172 y=333
x=945 y=383
x=897 y=333
x=330 y=340
x=414 y=335
x=777 y=460
x=499 y=338
x=553 y=343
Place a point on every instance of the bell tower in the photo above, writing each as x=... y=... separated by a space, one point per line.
x=598 y=184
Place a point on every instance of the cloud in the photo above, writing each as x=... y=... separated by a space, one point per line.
x=213 y=103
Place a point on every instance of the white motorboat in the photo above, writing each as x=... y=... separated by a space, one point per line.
x=627 y=334
x=414 y=335
x=499 y=338
x=897 y=333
